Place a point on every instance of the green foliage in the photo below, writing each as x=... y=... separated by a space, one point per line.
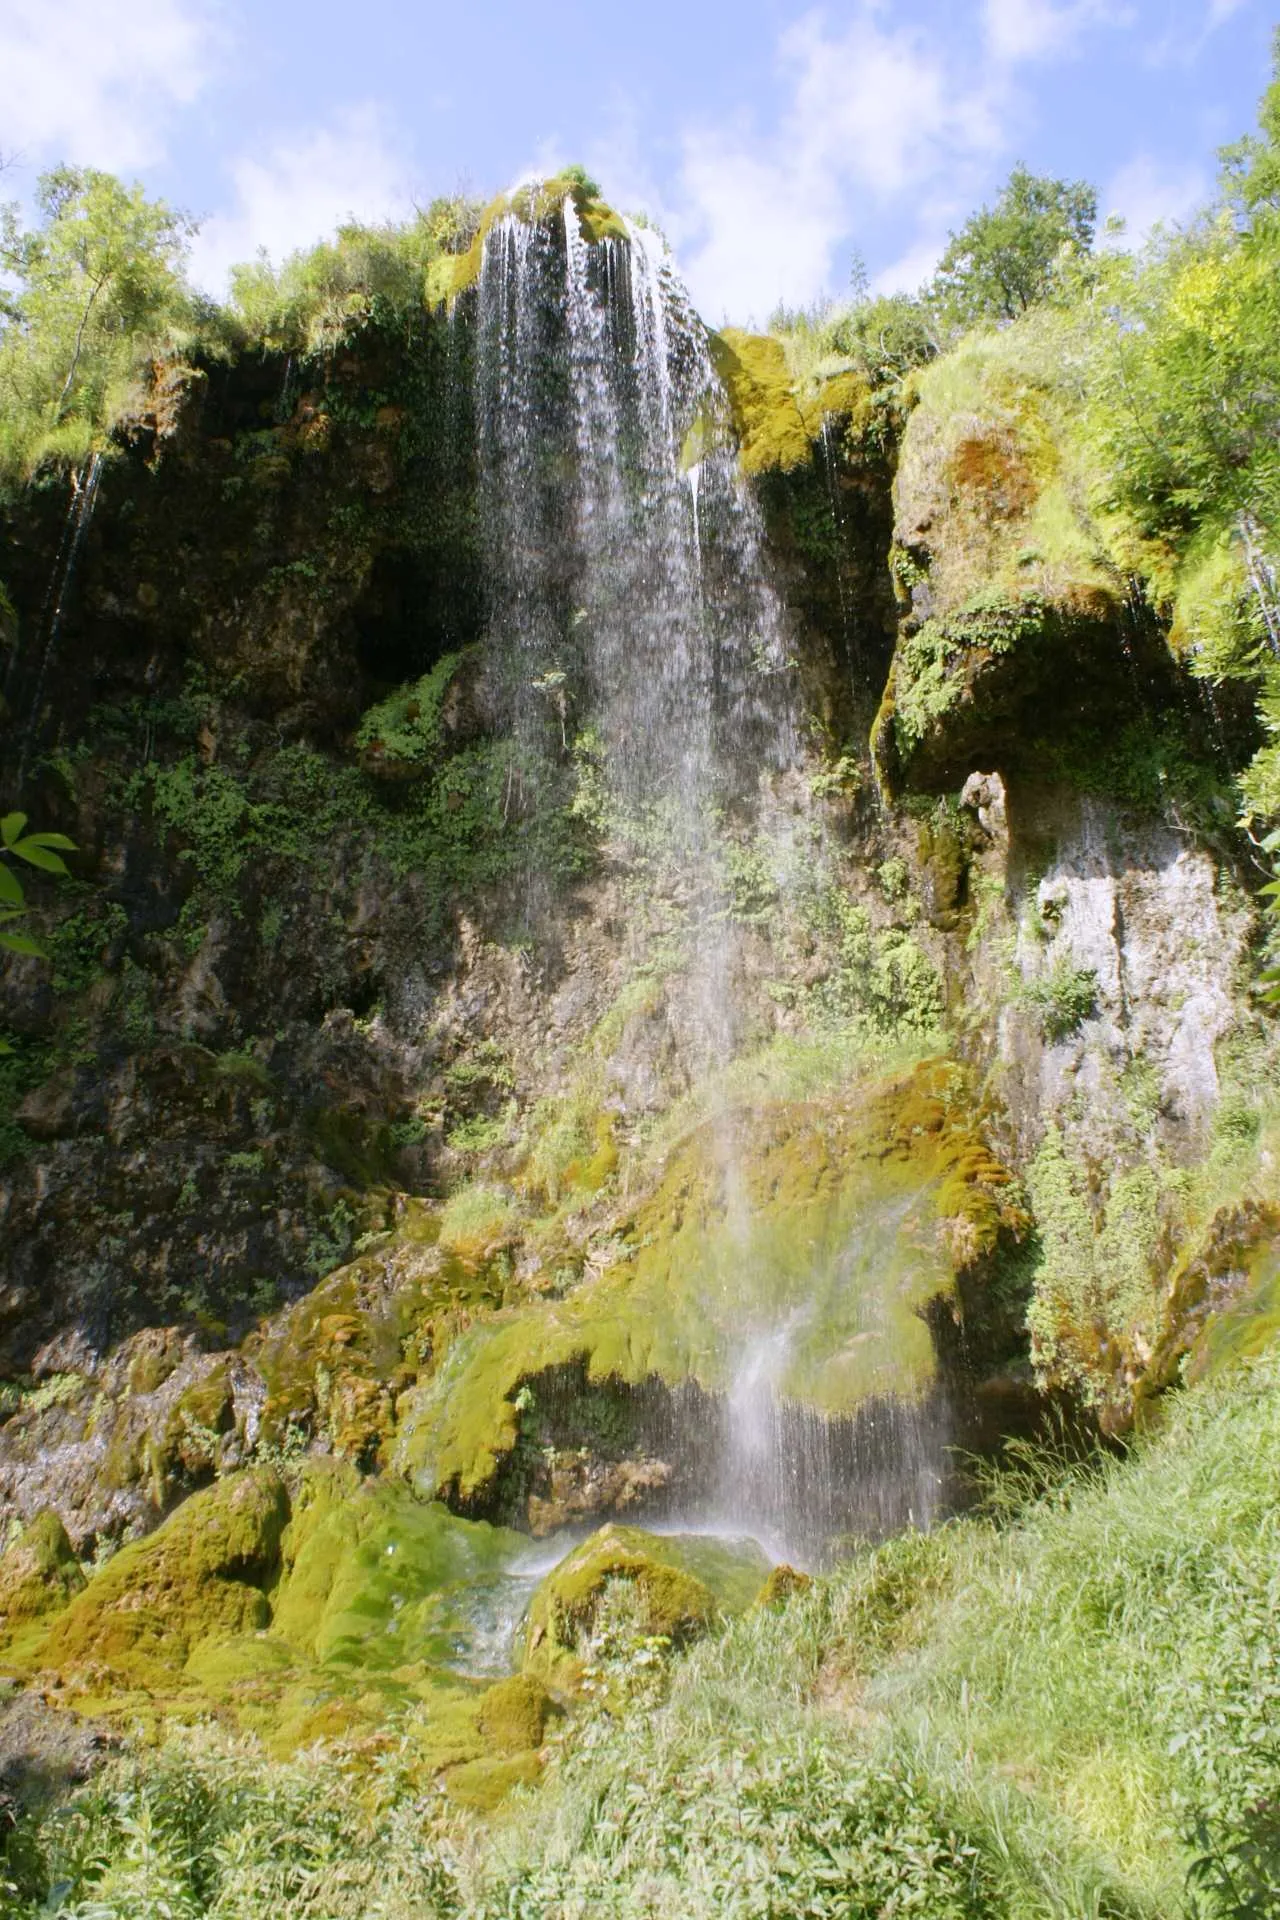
x=365 y=276
x=1063 y=998
x=96 y=291
x=405 y=729
x=41 y=850
x=1238 y=1865
x=881 y=982
x=1007 y=257
x=1095 y=1294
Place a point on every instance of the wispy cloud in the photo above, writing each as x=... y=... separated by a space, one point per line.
x=1018 y=30
x=1147 y=193
x=877 y=112
x=80 y=81
x=301 y=191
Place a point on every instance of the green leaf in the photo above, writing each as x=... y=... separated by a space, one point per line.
x=11 y=826
x=21 y=943
x=11 y=894
x=58 y=840
x=35 y=855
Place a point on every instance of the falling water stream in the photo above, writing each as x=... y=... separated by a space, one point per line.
x=84 y=494
x=630 y=585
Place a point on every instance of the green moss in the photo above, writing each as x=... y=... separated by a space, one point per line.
x=372 y=1578
x=453 y=274
x=39 y=1573
x=481 y=1785
x=680 y=1584
x=757 y=380
x=513 y=1714
x=783 y=1584
x=199 y=1576
x=857 y=1212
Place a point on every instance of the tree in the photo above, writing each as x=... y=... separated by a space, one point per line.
x=94 y=290
x=1007 y=257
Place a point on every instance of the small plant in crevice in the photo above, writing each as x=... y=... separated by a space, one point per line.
x=1063 y=998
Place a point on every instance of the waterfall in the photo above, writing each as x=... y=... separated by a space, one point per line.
x=619 y=614
x=590 y=366
x=84 y=494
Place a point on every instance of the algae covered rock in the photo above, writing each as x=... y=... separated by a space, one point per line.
x=513 y=1714
x=373 y=1578
x=679 y=1585
x=200 y=1575
x=1013 y=607
x=852 y=1216
x=38 y=1574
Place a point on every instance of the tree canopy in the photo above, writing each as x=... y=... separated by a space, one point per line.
x=1006 y=257
x=93 y=288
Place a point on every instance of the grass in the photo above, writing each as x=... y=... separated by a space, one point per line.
x=1047 y=1709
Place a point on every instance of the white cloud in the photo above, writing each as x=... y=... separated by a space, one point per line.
x=876 y=112
x=301 y=191
x=1220 y=10
x=909 y=272
x=92 y=83
x=1019 y=30
x=1146 y=193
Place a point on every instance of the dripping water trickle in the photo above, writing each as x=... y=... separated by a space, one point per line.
x=79 y=515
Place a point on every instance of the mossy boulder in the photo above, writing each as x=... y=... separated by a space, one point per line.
x=775 y=418
x=757 y=381
x=782 y=1584
x=846 y=1217
x=679 y=1585
x=201 y=1575
x=372 y=1578
x=1013 y=604
x=536 y=203
x=39 y=1573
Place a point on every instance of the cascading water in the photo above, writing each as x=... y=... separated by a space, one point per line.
x=630 y=603
x=84 y=494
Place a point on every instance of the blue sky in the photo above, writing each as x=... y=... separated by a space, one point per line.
x=769 y=140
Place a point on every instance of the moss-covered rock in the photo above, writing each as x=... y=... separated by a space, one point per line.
x=847 y=1216
x=782 y=1584
x=1014 y=610
x=536 y=203
x=200 y=1576
x=513 y=1715
x=39 y=1573
x=373 y=1579
x=679 y=1584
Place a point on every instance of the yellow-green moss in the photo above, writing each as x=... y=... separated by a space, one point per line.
x=481 y=1785
x=335 y=1360
x=536 y=203
x=372 y=1577
x=847 y=1209
x=757 y=380
x=513 y=1714
x=680 y=1584
x=200 y=1575
x=39 y=1574
x=782 y=1585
